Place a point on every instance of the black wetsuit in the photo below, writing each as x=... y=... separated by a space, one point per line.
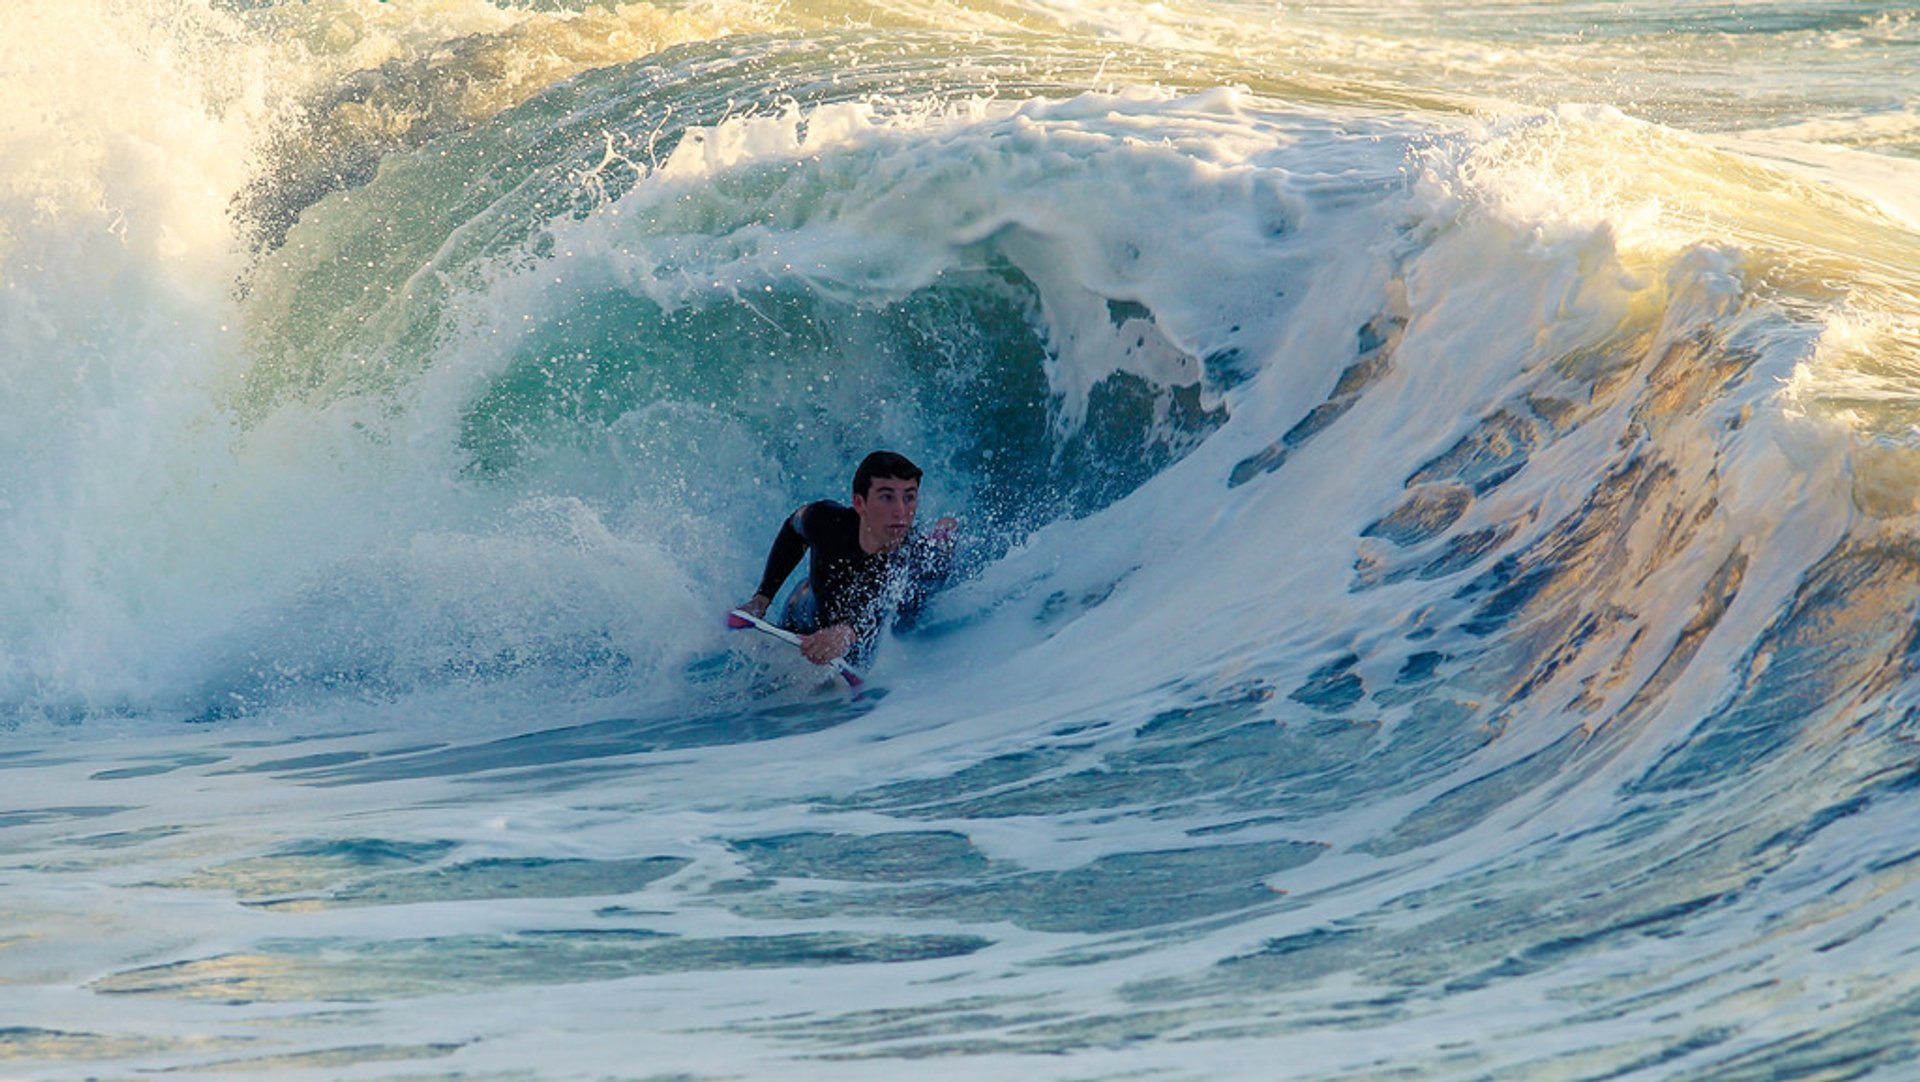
x=845 y=583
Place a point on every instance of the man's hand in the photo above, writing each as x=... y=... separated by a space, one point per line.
x=828 y=643
x=757 y=606
x=942 y=532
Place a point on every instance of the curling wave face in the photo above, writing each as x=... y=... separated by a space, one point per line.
x=581 y=262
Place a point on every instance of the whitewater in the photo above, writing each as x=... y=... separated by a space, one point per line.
x=1439 y=490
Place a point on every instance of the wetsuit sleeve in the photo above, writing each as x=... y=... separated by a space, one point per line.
x=933 y=562
x=788 y=547
x=930 y=564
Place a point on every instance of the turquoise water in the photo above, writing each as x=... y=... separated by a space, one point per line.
x=1437 y=494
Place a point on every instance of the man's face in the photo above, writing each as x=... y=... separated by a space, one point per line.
x=886 y=511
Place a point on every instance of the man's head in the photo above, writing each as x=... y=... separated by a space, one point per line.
x=883 y=464
x=886 y=496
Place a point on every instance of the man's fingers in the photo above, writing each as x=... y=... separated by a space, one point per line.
x=823 y=646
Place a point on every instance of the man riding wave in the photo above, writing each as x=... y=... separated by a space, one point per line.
x=867 y=566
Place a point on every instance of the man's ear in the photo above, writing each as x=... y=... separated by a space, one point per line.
x=859 y=503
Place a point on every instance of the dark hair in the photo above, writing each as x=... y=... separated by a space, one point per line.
x=883 y=464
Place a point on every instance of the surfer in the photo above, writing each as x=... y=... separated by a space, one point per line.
x=867 y=565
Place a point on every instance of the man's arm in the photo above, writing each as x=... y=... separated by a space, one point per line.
x=936 y=552
x=930 y=566
x=789 y=545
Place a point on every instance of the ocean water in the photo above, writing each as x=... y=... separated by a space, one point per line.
x=1441 y=539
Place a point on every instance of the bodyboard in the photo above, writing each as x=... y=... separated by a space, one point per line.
x=740 y=619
